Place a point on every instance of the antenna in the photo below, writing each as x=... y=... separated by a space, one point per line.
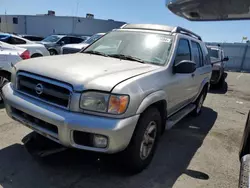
x=77 y=5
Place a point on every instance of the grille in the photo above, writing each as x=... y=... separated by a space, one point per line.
x=44 y=89
x=70 y=50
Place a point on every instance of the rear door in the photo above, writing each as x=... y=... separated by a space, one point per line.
x=201 y=68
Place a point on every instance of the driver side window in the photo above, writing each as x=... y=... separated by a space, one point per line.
x=183 y=51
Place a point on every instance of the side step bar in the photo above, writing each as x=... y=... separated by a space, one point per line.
x=172 y=120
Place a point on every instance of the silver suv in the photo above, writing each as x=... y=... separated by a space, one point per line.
x=116 y=96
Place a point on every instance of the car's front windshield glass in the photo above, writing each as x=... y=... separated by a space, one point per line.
x=147 y=46
x=213 y=53
x=92 y=39
x=52 y=38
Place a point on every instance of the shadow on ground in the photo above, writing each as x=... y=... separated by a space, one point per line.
x=73 y=168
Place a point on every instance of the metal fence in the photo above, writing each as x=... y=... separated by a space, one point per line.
x=239 y=56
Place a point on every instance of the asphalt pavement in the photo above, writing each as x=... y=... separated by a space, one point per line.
x=197 y=152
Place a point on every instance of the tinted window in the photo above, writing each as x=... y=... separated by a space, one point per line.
x=76 y=40
x=183 y=51
x=196 y=50
x=66 y=40
x=14 y=40
x=33 y=38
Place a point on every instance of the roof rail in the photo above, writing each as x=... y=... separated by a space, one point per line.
x=161 y=28
x=186 y=32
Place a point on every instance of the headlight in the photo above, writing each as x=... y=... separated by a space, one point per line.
x=103 y=102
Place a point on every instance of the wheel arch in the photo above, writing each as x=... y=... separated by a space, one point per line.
x=157 y=100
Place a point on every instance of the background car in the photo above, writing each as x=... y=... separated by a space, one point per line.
x=54 y=42
x=36 y=50
x=74 y=48
x=32 y=38
x=218 y=60
x=9 y=56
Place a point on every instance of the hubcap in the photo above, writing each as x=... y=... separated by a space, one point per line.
x=200 y=104
x=148 y=140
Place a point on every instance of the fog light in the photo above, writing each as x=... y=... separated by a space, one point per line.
x=100 y=141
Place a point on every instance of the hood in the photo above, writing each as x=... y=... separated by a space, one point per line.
x=76 y=46
x=85 y=71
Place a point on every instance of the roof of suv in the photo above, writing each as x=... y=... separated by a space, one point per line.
x=165 y=28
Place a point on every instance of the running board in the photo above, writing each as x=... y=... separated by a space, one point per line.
x=172 y=120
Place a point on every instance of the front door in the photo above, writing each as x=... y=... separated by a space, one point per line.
x=181 y=87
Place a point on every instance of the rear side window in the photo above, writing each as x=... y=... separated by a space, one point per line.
x=197 y=53
x=75 y=40
x=14 y=40
x=183 y=51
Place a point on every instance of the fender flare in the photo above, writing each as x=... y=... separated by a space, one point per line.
x=151 y=99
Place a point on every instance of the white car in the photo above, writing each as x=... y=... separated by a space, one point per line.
x=36 y=50
x=9 y=56
x=74 y=48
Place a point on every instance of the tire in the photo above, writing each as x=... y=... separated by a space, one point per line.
x=4 y=79
x=199 y=103
x=221 y=82
x=138 y=155
x=36 y=55
x=53 y=52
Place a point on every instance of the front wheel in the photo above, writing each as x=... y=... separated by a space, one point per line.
x=142 y=147
x=52 y=52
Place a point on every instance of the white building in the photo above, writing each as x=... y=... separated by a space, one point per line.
x=44 y=25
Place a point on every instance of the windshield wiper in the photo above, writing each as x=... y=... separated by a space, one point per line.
x=95 y=53
x=127 y=57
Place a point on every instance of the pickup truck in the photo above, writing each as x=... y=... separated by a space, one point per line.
x=118 y=95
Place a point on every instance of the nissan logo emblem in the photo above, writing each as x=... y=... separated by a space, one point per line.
x=39 y=89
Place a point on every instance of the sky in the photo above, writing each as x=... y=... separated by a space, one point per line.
x=131 y=11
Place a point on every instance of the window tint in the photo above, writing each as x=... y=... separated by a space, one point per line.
x=66 y=40
x=14 y=40
x=183 y=51
x=197 y=53
x=75 y=40
x=0 y=20
x=15 y=20
x=33 y=38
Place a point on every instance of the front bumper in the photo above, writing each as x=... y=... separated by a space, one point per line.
x=118 y=131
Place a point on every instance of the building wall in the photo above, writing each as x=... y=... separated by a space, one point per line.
x=8 y=26
x=44 y=25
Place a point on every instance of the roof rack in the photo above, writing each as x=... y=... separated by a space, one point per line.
x=186 y=32
x=161 y=28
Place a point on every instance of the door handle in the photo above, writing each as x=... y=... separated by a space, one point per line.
x=193 y=75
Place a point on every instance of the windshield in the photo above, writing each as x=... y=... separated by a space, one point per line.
x=52 y=38
x=92 y=39
x=149 y=47
x=213 y=53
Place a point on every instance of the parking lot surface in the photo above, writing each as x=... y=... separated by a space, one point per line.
x=197 y=152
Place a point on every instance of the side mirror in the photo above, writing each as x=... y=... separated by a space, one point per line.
x=225 y=59
x=185 y=67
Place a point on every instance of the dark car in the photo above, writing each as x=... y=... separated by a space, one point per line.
x=54 y=42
